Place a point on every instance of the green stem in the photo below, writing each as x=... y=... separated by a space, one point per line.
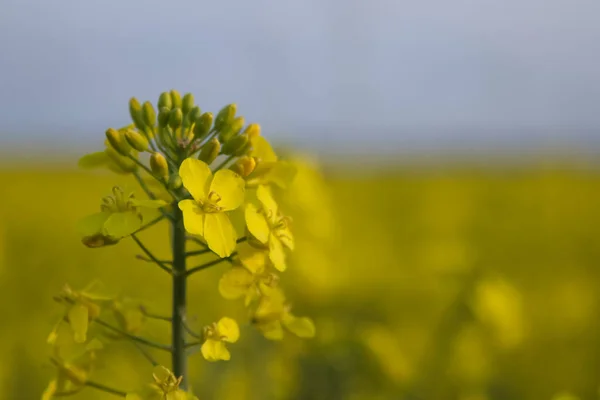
x=209 y=264
x=220 y=166
x=146 y=354
x=133 y=337
x=150 y=255
x=179 y=356
x=105 y=388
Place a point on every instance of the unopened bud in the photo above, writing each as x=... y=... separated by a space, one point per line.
x=203 y=124
x=117 y=141
x=244 y=166
x=210 y=151
x=236 y=144
x=231 y=129
x=163 y=116
x=175 y=118
x=194 y=114
x=252 y=130
x=175 y=99
x=158 y=165
x=225 y=116
x=175 y=181
x=135 y=111
x=149 y=115
x=164 y=100
x=187 y=103
x=136 y=140
x=123 y=164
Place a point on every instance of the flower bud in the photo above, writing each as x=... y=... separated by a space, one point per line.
x=203 y=124
x=194 y=114
x=175 y=181
x=136 y=140
x=244 y=166
x=187 y=103
x=252 y=130
x=210 y=151
x=231 y=129
x=122 y=163
x=236 y=144
x=175 y=99
x=175 y=118
x=117 y=141
x=164 y=101
x=163 y=116
x=149 y=115
x=158 y=165
x=135 y=111
x=225 y=116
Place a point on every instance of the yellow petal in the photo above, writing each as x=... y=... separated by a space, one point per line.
x=219 y=234
x=50 y=390
x=265 y=196
x=230 y=187
x=302 y=327
x=257 y=222
x=92 y=224
x=196 y=176
x=214 y=350
x=235 y=283
x=262 y=150
x=78 y=319
x=193 y=217
x=282 y=174
x=286 y=237
x=271 y=330
x=276 y=253
x=229 y=329
x=122 y=224
x=252 y=258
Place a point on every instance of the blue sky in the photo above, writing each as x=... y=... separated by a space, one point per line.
x=322 y=74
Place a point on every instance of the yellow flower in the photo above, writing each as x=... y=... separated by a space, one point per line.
x=273 y=314
x=269 y=169
x=72 y=373
x=205 y=215
x=164 y=387
x=120 y=216
x=81 y=307
x=213 y=348
x=269 y=227
x=249 y=278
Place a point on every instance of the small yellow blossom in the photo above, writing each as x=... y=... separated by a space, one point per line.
x=213 y=348
x=269 y=226
x=164 y=387
x=269 y=168
x=121 y=215
x=273 y=314
x=205 y=215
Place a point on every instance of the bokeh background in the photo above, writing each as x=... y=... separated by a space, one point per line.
x=446 y=207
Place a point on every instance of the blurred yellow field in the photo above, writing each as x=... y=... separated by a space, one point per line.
x=424 y=283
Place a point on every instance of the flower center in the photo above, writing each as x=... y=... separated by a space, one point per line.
x=211 y=204
x=118 y=202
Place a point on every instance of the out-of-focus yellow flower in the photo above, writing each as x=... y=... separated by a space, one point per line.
x=269 y=226
x=273 y=314
x=269 y=169
x=81 y=307
x=164 y=387
x=121 y=215
x=72 y=373
x=216 y=335
x=205 y=215
x=249 y=278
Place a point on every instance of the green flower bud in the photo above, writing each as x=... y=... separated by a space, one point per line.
x=163 y=116
x=187 y=103
x=164 y=101
x=175 y=181
x=123 y=164
x=231 y=129
x=158 y=165
x=225 y=116
x=252 y=130
x=194 y=114
x=210 y=151
x=244 y=166
x=149 y=115
x=175 y=118
x=203 y=124
x=135 y=110
x=136 y=140
x=117 y=141
x=236 y=144
x=176 y=99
